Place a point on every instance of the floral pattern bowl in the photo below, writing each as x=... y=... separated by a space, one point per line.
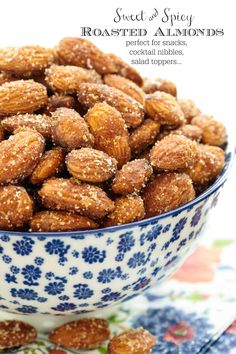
x=79 y=272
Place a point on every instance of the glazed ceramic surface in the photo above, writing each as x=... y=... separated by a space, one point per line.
x=78 y=272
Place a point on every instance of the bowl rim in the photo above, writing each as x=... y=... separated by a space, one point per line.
x=230 y=151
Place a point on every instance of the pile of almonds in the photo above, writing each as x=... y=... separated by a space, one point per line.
x=86 y=142
x=83 y=334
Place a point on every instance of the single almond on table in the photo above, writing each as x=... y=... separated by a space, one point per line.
x=72 y=195
x=83 y=334
x=132 y=341
x=16 y=333
x=91 y=165
x=214 y=132
x=131 y=110
x=22 y=96
x=16 y=208
x=54 y=221
x=189 y=109
x=19 y=155
x=143 y=136
x=132 y=177
x=151 y=86
x=173 y=152
x=166 y=192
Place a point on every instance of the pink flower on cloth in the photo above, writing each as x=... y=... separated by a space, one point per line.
x=232 y=328
x=199 y=267
x=57 y=351
x=179 y=333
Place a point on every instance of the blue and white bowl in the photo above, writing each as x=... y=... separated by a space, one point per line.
x=66 y=273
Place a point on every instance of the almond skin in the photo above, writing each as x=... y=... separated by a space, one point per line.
x=16 y=334
x=50 y=164
x=132 y=341
x=19 y=155
x=214 y=132
x=38 y=122
x=66 y=79
x=132 y=177
x=125 y=85
x=151 y=86
x=127 y=209
x=57 y=221
x=16 y=208
x=58 y=101
x=70 y=130
x=167 y=192
x=91 y=165
x=173 y=152
x=208 y=165
x=84 y=334
x=71 y=195
x=190 y=131
x=27 y=59
x=143 y=136
x=22 y=96
x=109 y=131
x=164 y=108
x=189 y=109
x=1 y=133
x=82 y=52
x=131 y=111
x=6 y=76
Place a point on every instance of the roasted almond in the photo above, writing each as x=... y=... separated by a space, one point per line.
x=173 y=152
x=132 y=177
x=40 y=123
x=127 y=209
x=164 y=108
x=16 y=333
x=19 y=155
x=22 y=96
x=50 y=164
x=16 y=208
x=70 y=130
x=66 y=79
x=109 y=131
x=91 y=165
x=125 y=85
x=25 y=59
x=167 y=192
x=58 y=101
x=143 y=136
x=71 y=195
x=83 y=334
x=151 y=86
x=54 y=221
x=131 y=110
x=1 y=133
x=190 y=131
x=214 y=132
x=82 y=52
x=189 y=109
x=6 y=77
x=132 y=341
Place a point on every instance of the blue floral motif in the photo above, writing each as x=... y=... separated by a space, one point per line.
x=55 y=288
x=6 y=259
x=181 y=244
x=75 y=254
x=42 y=299
x=126 y=242
x=15 y=270
x=224 y=345
x=39 y=261
x=82 y=291
x=166 y=228
x=93 y=255
x=10 y=278
x=5 y=238
x=31 y=274
x=138 y=259
x=24 y=246
x=1 y=249
x=56 y=247
x=73 y=270
x=106 y=276
x=64 y=298
x=152 y=234
x=177 y=229
x=190 y=236
x=113 y=296
x=196 y=217
x=25 y=294
x=119 y=257
x=63 y=307
x=27 y=309
x=141 y=283
x=88 y=275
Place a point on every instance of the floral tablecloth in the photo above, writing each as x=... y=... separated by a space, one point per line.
x=195 y=310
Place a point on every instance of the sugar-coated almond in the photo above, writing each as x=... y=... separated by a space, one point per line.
x=173 y=152
x=6 y=76
x=1 y=133
x=143 y=136
x=16 y=208
x=19 y=155
x=70 y=130
x=131 y=110
x=83 y=334
x=167 y=192
x=164 y=108
x=125 y=85
x=189 y=109
x=91 y=165
x=25 y=59
x=58 y=101
x=54 y=221
x=39 y=122
x=50 y=164
x=82 y=52
x=72 y=195
x=15 y=333
x=132 y=341
x=192 y=132
x=132 y=177
x=208 y=165
x=22 y=96
x=66 y=79
x=151 y=86
x=127 y=209
x=109 y=130
x=214 y=132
